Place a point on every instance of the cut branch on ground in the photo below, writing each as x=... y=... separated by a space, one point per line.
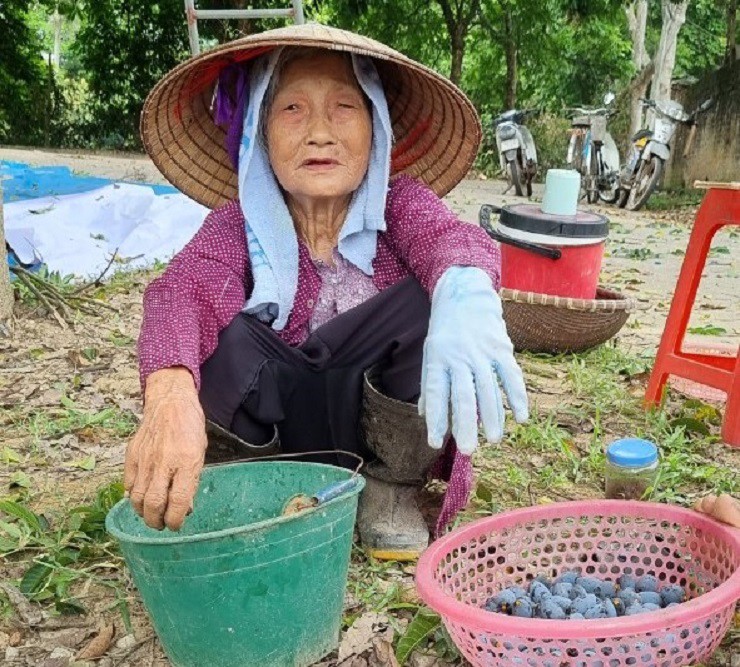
x=59 y=303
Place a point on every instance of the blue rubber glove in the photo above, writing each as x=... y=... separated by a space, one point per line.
x=466 y=349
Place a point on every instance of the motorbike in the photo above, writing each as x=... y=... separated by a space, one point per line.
x=593 y=152
x=651 y=150
x=516 y=150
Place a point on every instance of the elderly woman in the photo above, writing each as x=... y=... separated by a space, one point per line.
x=330 y=261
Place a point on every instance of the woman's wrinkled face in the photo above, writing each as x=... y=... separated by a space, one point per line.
x=319 y=128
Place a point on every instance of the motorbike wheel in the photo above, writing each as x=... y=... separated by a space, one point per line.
x=646 y=180
x=515 y=175
x=609 y=196
x=592 y=181
x=622 y=197
x=531 y=171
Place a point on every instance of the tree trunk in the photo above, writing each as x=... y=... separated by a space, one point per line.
x=6 y=291
x=674 y=16
x=637 y=18
x=511 y=60
x=458 y=18
x=57 y=20
x=638 y=90
x=457 y=44
x=731 y=31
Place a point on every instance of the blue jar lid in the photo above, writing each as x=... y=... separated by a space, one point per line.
x=632 y=453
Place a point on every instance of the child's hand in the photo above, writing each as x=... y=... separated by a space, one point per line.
x=725 y=509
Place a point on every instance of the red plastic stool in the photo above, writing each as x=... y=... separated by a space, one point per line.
x=721 y=207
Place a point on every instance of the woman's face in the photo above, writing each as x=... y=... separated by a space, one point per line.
x=319 y=129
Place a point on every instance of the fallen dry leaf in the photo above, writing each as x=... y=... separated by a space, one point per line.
x=382 y=654
x=409 y=594
x=30 y=614
x=16 y=638
x=359 y=637
x=422 y=660
x=98 y=645
x=353 y=661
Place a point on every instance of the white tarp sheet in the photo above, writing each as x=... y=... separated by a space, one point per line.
x=77 y=233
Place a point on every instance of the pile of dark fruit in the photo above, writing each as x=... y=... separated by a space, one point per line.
x=573 y=597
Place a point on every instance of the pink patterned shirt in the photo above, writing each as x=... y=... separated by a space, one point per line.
x=343 y=286
x=207 y=283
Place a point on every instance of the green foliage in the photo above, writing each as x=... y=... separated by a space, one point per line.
x=22 y=76
x=125 y=47
x=424 y=625
x=414 y=27
x=57 y=553
x=701 y=42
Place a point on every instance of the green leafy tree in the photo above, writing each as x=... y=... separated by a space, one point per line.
x=125 y=47
x=22 y=76
x=414 y=27
x=701 y=42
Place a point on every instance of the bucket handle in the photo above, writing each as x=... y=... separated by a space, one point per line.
x=302 y=502
x=484 y=217
x=275 y=457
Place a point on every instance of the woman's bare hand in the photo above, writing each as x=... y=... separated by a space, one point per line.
x=725 y=508
x=166 y=455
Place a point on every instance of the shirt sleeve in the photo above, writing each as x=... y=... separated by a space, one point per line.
x=429 y=238
x=203 y=288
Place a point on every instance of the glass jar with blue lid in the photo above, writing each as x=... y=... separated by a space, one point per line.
x=631 y=468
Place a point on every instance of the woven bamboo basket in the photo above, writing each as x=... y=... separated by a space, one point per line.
x=546 y=323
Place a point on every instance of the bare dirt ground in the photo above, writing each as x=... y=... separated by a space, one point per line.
x=70 y=400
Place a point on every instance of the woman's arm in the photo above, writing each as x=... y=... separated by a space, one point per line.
x=201 y=291
x=184 y=310
x=430 y=238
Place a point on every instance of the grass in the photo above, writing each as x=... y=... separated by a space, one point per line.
x=58 y=556
x=602 y=401
x=666 y=200
x=71 y=418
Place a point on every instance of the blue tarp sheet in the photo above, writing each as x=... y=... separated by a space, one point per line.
x=22 y=181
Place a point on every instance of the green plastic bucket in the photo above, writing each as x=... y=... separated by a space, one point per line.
x=240 y=585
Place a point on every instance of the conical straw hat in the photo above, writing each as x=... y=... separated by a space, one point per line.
x=436 y=128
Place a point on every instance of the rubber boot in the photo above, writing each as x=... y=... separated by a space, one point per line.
x=390 y=524
x=225 y=446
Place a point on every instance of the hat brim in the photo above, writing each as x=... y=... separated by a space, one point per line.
x=436 y=129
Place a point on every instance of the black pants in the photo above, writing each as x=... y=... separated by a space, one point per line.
x=313 y=393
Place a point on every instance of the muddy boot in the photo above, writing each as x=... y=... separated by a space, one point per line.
x=390 y=523
x=225 y=446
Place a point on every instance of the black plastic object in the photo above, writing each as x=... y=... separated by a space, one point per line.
x=485 y=221
x=530 y=218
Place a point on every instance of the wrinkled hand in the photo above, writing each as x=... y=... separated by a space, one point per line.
x=466 y=353
x=166 y=455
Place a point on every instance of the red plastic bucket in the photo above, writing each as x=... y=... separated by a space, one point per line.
x=526 y=233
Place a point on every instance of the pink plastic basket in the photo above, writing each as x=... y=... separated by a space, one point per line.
x=460 y=571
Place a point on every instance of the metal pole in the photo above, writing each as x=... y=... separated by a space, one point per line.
x=192 y=18
x=242 y=13
x=298 y=11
